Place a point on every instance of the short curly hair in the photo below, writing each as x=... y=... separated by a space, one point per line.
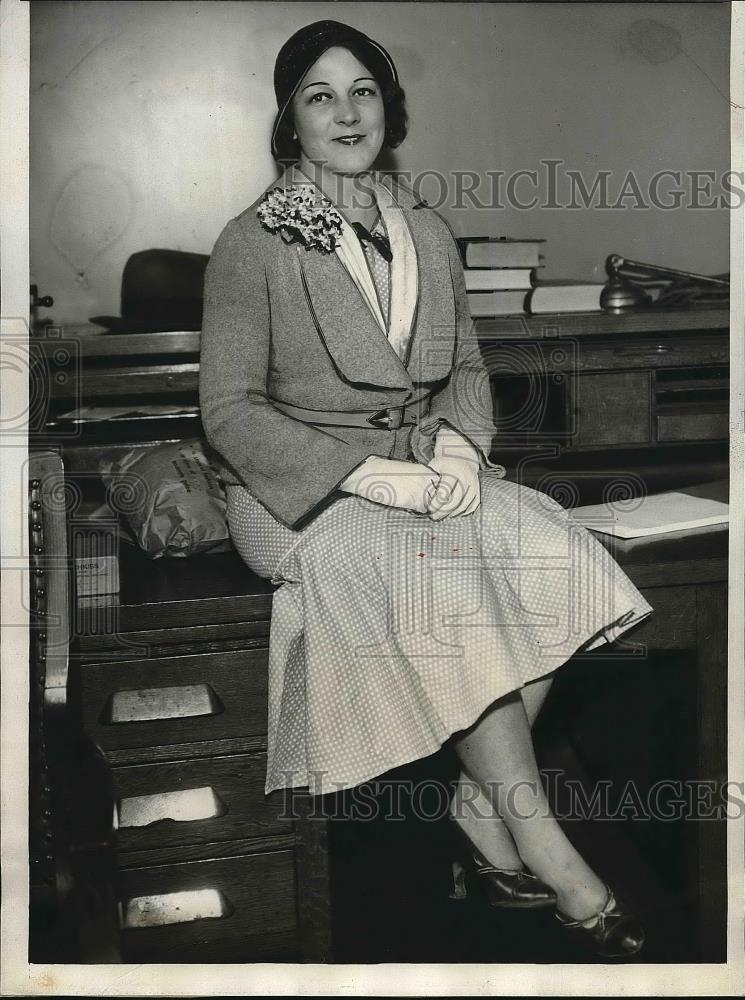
x=394 y=107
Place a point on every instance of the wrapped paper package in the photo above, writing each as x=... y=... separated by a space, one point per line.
x=171 y=497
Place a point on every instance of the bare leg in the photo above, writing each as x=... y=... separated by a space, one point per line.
x=498 y=753
x=473 y=810
x=534 y=695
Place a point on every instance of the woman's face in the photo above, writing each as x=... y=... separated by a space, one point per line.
x=338 y=113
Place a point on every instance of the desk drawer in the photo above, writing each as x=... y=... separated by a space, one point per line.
x=175 y=699
x=691 y=425
x=692 y=404
x=196 y=802
x=612 y=409
x=660 y=351
x=174 y=913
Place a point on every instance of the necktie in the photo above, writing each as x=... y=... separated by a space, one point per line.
x=381 y=243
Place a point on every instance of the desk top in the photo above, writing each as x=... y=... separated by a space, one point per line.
x=651 y=320
x=96 y=342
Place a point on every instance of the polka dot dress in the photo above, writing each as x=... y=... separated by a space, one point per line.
x=390 y=632
x=380 y=269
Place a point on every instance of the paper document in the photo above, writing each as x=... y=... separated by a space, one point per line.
x=651 y=515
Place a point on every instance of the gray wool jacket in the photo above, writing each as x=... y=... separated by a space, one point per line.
x=282 y=322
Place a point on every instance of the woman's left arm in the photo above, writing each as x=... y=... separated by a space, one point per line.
x=460 y=423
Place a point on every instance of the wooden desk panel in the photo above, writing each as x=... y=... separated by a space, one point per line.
x=683 y=575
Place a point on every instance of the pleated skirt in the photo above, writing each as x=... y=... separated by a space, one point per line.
x=390 y=632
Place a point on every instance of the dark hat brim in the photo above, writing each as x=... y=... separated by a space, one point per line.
x=120 y=324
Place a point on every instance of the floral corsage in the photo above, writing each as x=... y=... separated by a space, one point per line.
x=300 y=214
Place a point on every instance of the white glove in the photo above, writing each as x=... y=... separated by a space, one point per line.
x=388 y=481
x=459 y=489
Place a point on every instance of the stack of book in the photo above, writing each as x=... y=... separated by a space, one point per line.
x=499 y=273
x=501 y=280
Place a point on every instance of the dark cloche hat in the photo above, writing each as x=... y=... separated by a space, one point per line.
x=301 y=50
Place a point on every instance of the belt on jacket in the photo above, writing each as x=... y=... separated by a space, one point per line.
x=389 y=418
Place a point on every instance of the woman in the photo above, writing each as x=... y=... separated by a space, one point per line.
x=422 y=596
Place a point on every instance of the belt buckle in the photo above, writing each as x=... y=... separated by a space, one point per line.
x=390 y=417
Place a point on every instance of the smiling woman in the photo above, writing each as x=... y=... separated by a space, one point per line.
x=344 y=108
x=422 y=597
x=340 y=115
x=295 y=59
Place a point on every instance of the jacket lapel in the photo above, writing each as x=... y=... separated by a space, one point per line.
x=422 y=321
x=344 y=316
x=431 y=338
x=357 y=345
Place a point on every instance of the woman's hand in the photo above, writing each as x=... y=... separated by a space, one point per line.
x=408 y=485
x=459 y=489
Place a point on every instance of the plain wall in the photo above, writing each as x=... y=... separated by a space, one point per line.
x=150 y=124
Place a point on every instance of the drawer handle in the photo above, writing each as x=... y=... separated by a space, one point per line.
x=183 y=806
x=174 y=908
x=147 y=704
x=643 y=352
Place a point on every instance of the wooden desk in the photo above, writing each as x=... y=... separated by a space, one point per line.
x=683 y=575
x=208 y=618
